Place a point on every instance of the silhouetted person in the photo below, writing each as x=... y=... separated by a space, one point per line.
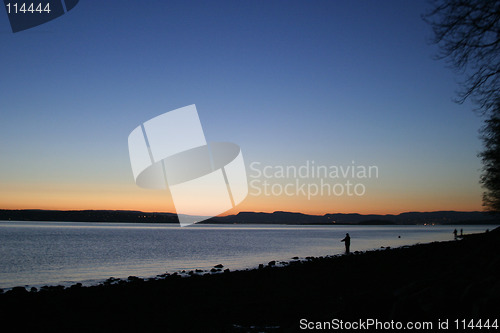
x=347 y=241
x=455 y=233
x=461 y=232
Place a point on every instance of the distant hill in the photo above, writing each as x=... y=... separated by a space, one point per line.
x=376 y=222
x=86 y=216
x=270 y=218
x=440 y=217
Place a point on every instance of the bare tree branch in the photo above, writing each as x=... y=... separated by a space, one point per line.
x=468 y=34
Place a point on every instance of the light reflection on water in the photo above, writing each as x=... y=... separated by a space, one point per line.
x=50 y=253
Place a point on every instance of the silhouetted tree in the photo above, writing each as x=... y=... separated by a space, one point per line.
x=490 y=156
x=468 y=34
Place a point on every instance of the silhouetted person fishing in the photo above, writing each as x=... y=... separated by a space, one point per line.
x=455 y=233
x=347 y=241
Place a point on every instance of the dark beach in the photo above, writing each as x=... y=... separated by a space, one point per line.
x=429 y=282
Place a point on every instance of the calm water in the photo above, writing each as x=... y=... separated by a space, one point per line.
x=51 y=253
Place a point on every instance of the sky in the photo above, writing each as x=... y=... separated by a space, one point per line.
x=335 y=84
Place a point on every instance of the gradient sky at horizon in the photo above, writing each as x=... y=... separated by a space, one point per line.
x=289 y=81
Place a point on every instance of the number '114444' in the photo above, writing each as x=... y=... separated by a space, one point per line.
x=24 y=8
x=476 y=323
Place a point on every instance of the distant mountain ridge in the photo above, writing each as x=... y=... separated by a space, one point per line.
x=86 y=216
x=408 y=218
x=292 y=218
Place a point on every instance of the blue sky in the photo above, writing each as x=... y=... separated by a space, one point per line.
x=289 y=81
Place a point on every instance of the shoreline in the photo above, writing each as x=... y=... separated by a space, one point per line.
x=209 y=223
x=450 y=279
x=276 y=217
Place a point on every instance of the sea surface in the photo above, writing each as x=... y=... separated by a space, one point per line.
x=34 y=254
